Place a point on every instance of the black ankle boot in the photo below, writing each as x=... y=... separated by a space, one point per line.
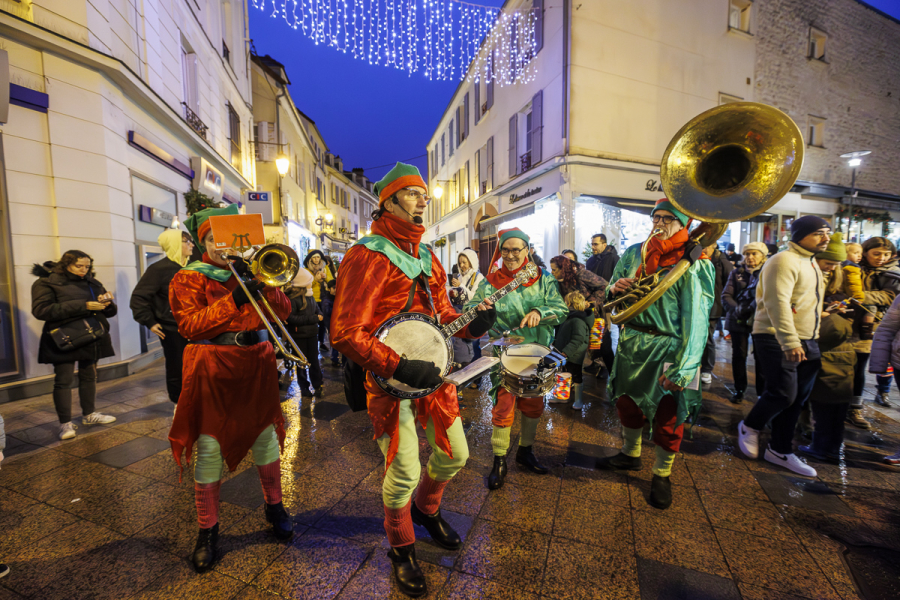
x=498 y=473
x=737 y=397
x=280 y=520
x=205 y=550
x=409 y=576
x=660 y=492
x=619 y=462
x=439 y=529
x=525 y=457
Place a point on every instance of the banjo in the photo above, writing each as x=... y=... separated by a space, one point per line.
x=416 y=337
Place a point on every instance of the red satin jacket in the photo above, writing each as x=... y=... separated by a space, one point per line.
x=228 y=392
x=370 y=290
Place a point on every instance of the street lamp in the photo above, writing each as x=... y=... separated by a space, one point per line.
x=854 y=160
x=283 y=164
x=438 y=191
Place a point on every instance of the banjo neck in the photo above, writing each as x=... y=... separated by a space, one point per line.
x=467 y=317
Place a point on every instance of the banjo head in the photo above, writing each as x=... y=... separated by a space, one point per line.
x=415 y=337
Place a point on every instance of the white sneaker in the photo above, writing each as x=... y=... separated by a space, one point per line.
x=67 y=431
x=791 y=462
x=706 y=377
x=748 y=440
x=96 y=418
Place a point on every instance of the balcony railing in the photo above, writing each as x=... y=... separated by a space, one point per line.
x=194 y=121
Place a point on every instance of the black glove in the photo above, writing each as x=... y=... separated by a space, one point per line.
x=483 y=321
x=240 y=297
x=419 y=374
x=241 y=266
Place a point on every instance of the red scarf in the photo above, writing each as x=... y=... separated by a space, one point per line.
x=500 y=277
x=665 y=253
x=404 y=234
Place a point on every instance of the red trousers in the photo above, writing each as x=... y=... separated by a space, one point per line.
x=503 y=413
x=665 y=434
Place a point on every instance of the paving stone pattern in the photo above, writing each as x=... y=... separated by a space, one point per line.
x=105 y=516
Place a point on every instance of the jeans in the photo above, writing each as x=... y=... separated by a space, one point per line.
x=829 y=429
x=173 y=346
x=739 y=347
x=708 y=362
x=787 y=388
x=62 y=388
x=311 y=351
x=476 y=349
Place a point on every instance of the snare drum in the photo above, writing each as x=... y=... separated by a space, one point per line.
x=519 y=373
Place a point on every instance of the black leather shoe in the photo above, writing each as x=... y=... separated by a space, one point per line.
x=619 y=462
x=526 y=458
x=737 y=397
x=498 y=473
x=439 y=529
x=409 y=576
x=660 y=492
x=281 y=522
x=205 y=550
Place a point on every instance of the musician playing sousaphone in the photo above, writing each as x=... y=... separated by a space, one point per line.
x=229 y=404
x=656 y=372
x=533 y=308
x=382 y=275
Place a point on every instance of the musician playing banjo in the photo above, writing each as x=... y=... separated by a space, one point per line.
x=384 y=274
x=533 y=308
x=656 y=372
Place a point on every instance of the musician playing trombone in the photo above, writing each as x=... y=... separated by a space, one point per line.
x=229 y=403
x=656 y=373
x=382 y=275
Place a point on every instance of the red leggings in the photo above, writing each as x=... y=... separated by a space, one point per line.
x=503 y=413
x=665 y=434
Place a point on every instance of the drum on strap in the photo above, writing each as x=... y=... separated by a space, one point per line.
x=529 y=370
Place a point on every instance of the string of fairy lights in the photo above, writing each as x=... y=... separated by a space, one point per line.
x=441 y=39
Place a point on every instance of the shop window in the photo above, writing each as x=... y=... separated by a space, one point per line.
x=815 y=135
x=817 y=41
x=739 y=15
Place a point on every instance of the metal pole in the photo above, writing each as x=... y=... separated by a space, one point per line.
x=850 y=211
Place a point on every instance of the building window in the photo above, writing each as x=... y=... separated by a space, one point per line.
x=234 y=129
x=739 y=15
x=451 y=137
x=728 y=98
x=816 y=132
x=226 y=53
x=817 y=41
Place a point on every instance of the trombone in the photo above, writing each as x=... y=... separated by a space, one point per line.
x=274 y=265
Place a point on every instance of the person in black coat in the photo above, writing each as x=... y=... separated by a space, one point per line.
x=67 y=295
x=150 y=303
x=604 y=259
x=723 y=270
x=303 y=326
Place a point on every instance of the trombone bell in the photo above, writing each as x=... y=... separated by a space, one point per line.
x=275 y=265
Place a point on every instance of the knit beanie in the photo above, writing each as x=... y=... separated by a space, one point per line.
x=515 y=232
x=198 y=223
x=758 y=247
x=804 y=226
x=401 y=176
x=836 y=250
x=665 y=204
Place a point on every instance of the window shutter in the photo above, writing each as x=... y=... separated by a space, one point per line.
x=513 y=162
x=537 y=126
x=287 y=152
x=265 y=133
x=452 y=139
x=477 y=175
x=467 y=190
x=538 y=7
x=477 y=101
x=490 y=164
x=466 y=115
x=489 y=85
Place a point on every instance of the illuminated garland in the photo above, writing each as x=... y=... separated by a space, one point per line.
x=442 y=39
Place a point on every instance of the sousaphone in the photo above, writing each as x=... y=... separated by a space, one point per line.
x=727 y=164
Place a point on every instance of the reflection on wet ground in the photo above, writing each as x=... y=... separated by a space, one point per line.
x=104 y=515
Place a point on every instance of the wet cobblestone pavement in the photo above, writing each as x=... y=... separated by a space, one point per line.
x=104 y=515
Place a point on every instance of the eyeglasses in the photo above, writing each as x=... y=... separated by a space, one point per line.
x=417 y=195
x=665 y=220
x=513 y=251
x=821 y=234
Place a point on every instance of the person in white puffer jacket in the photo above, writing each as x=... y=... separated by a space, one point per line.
x=461 y=288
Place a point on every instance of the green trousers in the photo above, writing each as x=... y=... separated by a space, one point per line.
x=403 y=475
x=209 y=464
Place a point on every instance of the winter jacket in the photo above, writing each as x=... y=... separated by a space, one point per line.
x=61 y=298
x=739 y=299
x=880 y=286
x=789 y=297
x=469 y=281
x=574 y=334
x=853 y=285
x=886 y=345
x=303 y=323
x=318 y=287
x=592 y=287
x=603 y=264
x=723 y=270
x=834 y=382
x=150 y=298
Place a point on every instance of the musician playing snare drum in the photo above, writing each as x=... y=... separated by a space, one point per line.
x=375 y=283
x=535 y=307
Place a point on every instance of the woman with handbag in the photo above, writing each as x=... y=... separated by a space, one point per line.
x=74 y=307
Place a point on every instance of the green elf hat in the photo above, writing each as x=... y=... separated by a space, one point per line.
x=401 y=176
x=198 y=223
x=665 y=204
x=836 y=250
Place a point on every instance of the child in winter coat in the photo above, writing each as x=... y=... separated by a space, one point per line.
x=572 y=339
x=853 y=285
x=303 y=325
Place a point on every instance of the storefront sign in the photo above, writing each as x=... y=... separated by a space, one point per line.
x=653 y=185
x=207 y=179
x=530 y=192
x=154 y=215
x=260 y=203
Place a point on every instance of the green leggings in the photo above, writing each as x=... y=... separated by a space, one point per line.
x=210 y=465
x=403 y=475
